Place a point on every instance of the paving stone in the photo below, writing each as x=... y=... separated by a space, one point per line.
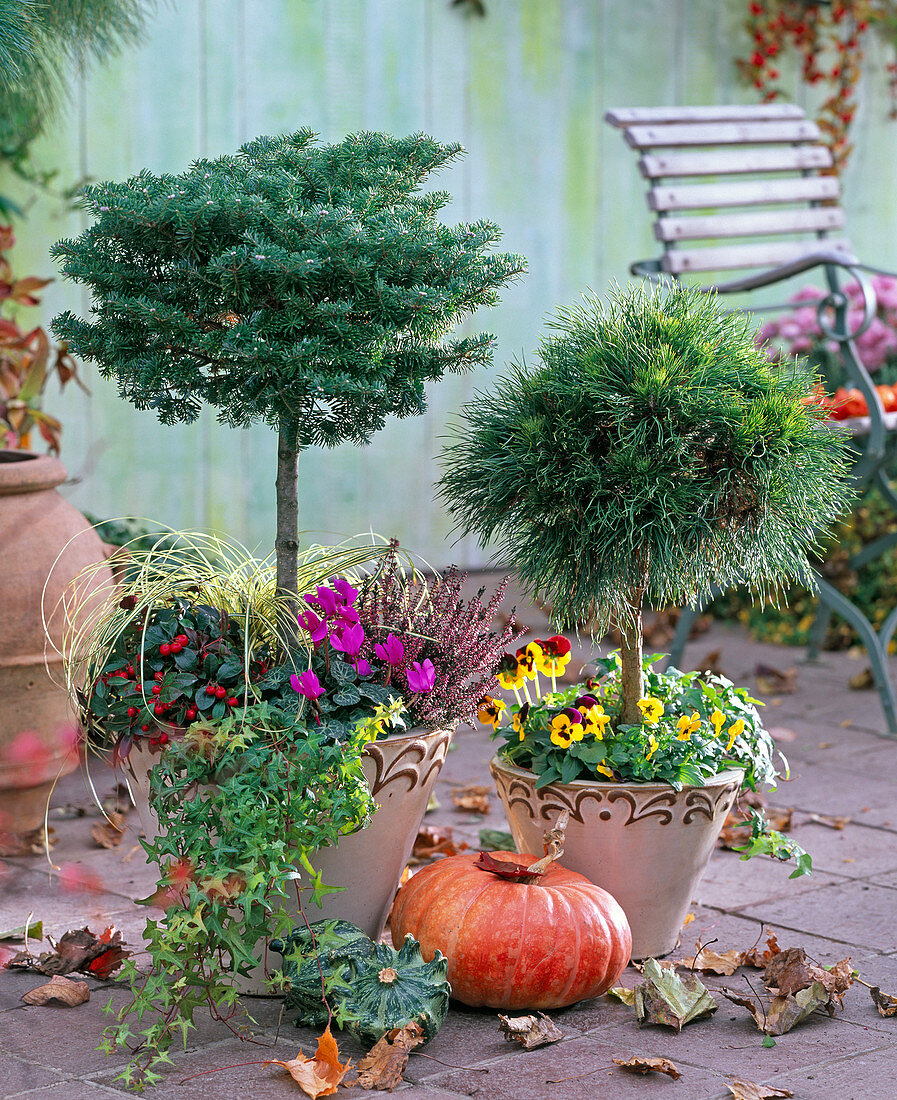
x=733 y=883
x=885 y=879
x=838 y=793
x=69 y=1090
x=868 y=1076
x=18 y=1073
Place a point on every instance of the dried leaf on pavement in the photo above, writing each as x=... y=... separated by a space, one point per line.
x=886 y=1003
x=621 y=993
x=473 y=798
x=648 y=1065
x=433 y=840
x=862 y=681
x=530 y=1031
x=830 y=822
x=783 y=1013
x=747 y=1090
x=385 y=1062
x=59 y=989
x=78 y=950
x=775 y=681
x=667 y=999
x=318 y=1076
x=760 y=959
x=109 y=833
x=791 y=971
x=713 y=962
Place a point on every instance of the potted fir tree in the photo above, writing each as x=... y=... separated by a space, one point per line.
x=653 y=453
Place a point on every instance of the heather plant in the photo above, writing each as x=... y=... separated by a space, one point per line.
x=311 y=287
x=653 y=453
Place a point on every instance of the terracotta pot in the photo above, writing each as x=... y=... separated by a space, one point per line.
x=45 y=543
x=368 y=864
x=645 y=843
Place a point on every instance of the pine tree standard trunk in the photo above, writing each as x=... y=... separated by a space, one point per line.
x=632 y=675
x=286 y=545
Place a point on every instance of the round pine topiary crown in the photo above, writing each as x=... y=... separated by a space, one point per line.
x=654 y=450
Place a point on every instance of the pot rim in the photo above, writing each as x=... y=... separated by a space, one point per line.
x=28 y=471
x=415 y=734
x=719 y=780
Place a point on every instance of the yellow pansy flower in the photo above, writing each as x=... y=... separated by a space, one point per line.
x=594 y=719
x=653 y=746
x=687 y=726
x=489 y=711
x=511 y=673
x=527 y=658
x=717 y=720
x=651 y=708
x=565 y=730
x=518 y=725
x=602 y=769
x=734 y=730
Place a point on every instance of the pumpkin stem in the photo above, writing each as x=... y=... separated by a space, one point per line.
x=388 y=975
x=554 y=840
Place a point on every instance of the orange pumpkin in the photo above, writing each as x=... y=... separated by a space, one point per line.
x=515 y=944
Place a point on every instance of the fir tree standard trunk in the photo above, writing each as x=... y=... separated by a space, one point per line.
x=632 y=675
x=286 y=546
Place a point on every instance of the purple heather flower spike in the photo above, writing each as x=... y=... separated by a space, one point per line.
x=421 y=677
x=307 y=684
x=316 y=627
x=349 y=640
x=392 y=652
x=348 y=594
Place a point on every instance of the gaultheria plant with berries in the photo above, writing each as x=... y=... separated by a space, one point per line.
x=307 y=286
x=654 y=452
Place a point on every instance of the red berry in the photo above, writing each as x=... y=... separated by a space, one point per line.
x=220 y=692
x=165 y=649
x=131 y=671
x=183 y=639
x=210 y=689
x=233 y=701
x=191 y=713
x=176 y=647
x=163 y=738
x=159 y=708
x=158 y=675
x=132 y=712
x=145 y=729
x=157 y=689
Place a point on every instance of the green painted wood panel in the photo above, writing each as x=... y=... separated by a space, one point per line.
x=524 y=90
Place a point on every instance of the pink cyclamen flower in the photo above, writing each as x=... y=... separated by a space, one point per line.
x=326 y=599
x=421 y=677
x=315 y=626
x=307 y=684
x=347 y=593
x=349 y=639
x=392 y=651
x=362 y=667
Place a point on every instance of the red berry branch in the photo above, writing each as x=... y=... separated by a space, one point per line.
x=829 y=39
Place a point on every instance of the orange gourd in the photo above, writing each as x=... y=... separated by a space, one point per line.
x=519 y=944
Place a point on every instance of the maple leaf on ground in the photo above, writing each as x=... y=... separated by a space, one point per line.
x=473 y=798
x=621 y=993
x=783 y=1013
x=667 y=999
x=530 y=1031
x=713 y=962
x=318 y=1076
x=385 y=1062
x=77 y=950
x=435 y=840
x=109 y=833
x=886 y=1003
x=60 y=989
x=791 y=971
x=747 y=1090
x=644 y=1066
x=760 y=959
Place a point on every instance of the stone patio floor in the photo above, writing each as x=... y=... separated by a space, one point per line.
x=841 y=766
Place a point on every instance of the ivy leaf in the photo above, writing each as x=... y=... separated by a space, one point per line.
x=667 y=999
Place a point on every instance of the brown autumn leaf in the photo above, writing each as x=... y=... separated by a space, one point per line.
x=318 y=1076
x=648 y=1065
x=828 y=821
x=109 y=833
x=713 y=962
x=621 y=993
x=435 y=840
x=862 y=681
x=886 y=1003
x=530 y=1031
x=791 y=971
x=79 y=949
x=775 y=681
x=667 y=999
x=747 y=1090
x=472 y=799
x=781 y=1014
x=710 y=663
x=60 y=989
x=383 y=1065
x=760 y=959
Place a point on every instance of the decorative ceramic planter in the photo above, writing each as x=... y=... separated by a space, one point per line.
x=645 y=843
x=368 y=864
x=46 y=542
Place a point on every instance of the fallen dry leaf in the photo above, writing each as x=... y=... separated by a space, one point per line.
x=862 y=681
x=791 y=971
x=782 y=733
x=109 y=833
x=667 y=999
x=783 y=1013
x=709 y=663
x=824 y=819
x=385 y=1062
x=621 y=993
x=435 y=840
x=886 y=1003
x=760 y=959
x=318 y=1076
x=473 y=799
x=648 y=1065
x=775 y=681
x=713 y=962
x=530 y=1031
x=79 y=949
x=689 y=918
x=59 y=989
x=747 y=1090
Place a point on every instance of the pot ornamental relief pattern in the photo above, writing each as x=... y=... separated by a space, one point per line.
x=545 y=804
x=413 y=764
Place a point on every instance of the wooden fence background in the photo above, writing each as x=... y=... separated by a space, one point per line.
x=524 y=89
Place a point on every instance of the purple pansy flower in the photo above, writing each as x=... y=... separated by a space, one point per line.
x=392 y=651
x=421 y=677
x=307 y=684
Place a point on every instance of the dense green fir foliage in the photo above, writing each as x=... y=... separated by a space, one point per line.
x=653 y=449
x=290 y=281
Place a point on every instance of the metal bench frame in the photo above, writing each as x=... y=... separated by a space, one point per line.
x=768 y=170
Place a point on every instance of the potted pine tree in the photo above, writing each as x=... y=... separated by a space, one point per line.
x=652 y=453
